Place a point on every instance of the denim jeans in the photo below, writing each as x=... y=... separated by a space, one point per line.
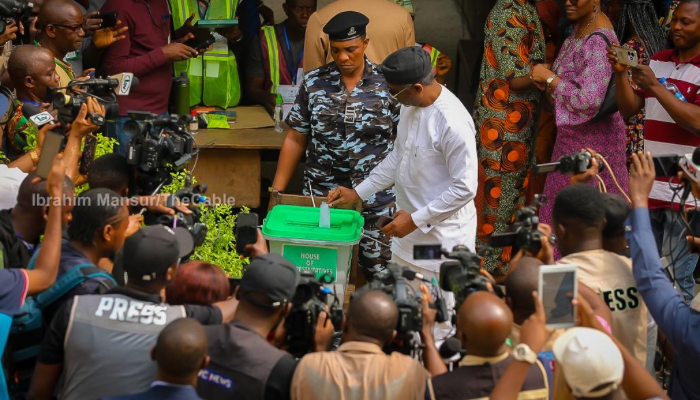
x=670 y=235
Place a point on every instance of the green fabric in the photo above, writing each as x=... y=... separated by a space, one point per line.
x=505 y=119
x=215 y=121
x=213 y=77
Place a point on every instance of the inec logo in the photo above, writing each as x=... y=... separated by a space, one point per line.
x=126 y=84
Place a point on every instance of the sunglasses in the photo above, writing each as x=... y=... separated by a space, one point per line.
x=74 y=28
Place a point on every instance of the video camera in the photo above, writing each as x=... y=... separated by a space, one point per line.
x=158 y=146
x=461 y=277
x=189 y=195
x=524 y=234
x=14 y=11
x=669 y=165
x=309 y=300
x=69 y=99
x=571 y=164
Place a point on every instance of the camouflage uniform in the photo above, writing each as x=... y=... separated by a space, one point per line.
x=349 y=135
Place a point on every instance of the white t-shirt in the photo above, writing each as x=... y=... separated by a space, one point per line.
x=10 y=180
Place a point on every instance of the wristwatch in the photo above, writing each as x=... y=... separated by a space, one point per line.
x=522 y=352
x=34 y=156
x=551 y=79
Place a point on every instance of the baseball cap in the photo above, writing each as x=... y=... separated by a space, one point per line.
x=150 y=251
x=271 y=275
x=591 y=362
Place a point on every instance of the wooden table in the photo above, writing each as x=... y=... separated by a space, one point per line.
x=230 y=165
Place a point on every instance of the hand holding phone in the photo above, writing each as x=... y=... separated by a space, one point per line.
x=557 y=288
x=109 y=20
x=246 y=231
x=625 y=56
x=52 y=146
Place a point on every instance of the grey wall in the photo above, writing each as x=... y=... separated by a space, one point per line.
x=438 y=22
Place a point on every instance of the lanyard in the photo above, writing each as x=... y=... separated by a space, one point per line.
x=28 y=245
x=292 y=68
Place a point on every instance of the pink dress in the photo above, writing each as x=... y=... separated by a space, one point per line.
x=585 y=73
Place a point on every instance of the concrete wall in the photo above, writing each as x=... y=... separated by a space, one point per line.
x=438 y=22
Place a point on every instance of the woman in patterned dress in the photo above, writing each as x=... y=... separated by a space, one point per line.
x=637 y=27
x=577 y=87
x=504 y=114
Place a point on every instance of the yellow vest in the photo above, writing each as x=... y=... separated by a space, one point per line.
x=214 y=75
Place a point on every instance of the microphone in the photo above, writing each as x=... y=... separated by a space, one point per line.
x=39 y=118
x=450 y=348
x=411 y=275
x=120 y=83
x=690 y=164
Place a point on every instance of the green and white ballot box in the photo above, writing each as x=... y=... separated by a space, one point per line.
x=294 y=232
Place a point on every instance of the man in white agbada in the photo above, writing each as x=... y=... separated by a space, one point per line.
x=433 y=167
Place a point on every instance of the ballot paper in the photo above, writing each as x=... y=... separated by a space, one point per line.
x=289 y=93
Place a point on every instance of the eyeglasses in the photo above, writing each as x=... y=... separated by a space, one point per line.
x=395 y=95
x=74 y=28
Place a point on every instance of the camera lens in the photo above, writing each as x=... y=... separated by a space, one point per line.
x=303 y=294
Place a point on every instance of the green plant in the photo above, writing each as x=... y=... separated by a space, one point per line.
x=219 y=247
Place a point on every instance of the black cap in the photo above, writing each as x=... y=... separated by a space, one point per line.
x=407 y=66
x=616 y=212
x=271 y=275
x=346 y=26
x=149 y=252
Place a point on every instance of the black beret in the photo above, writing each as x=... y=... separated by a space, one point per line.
x=616 y=212
x=346 y=26
x=406 y=66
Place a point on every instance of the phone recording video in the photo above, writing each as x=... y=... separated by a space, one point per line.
x=557 y=287
x=427 y=252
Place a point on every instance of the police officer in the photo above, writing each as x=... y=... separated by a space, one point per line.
x=345 y=119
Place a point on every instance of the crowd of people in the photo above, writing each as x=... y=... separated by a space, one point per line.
x=96 y=304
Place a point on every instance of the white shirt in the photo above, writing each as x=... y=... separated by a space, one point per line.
x=10 y=180
x=434 y=169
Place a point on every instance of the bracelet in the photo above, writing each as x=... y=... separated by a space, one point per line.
x=34 y=156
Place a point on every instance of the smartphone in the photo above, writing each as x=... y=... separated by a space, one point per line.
x=233 y=283
x=52 y=146
x=88 y=154
x=667 y=165
x=557 y=287
x=427 y=252
x=201 y=42
x=626 y=56
x=246 y=231
x=216 y=23
x=109 y=20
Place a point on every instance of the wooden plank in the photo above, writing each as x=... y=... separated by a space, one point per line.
x=231 y=173
x=251 y=139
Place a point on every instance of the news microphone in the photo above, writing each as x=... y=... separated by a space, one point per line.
x=450 y=348
x=121 y=83
x=38 y=117
x=690 y=164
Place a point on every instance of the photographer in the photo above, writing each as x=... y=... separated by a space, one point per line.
x=244 y=365
x=672 y=125
x=679 y=323
x=484 y=323
x=16 y=284
x=111 y=335
x=360 y=365
x=579 y=221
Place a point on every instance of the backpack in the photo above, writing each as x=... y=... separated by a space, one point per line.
x=28 y=325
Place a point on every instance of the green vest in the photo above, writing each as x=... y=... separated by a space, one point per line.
x=273 y=57
x=213 y=75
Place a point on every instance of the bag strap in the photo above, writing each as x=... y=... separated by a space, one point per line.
x=71 y=279
x=601 y=34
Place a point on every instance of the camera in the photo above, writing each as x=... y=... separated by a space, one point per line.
x=524 y=234
x=668 y=165
x=12 y=11
x=189 y=195
x=310 y=299
x=159 y=145
x=394 y=282
x=571 y=164
x=461 y=277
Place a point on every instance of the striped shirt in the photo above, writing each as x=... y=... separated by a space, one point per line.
x=662 y=134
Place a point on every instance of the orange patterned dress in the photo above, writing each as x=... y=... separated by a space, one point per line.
x=505 y=118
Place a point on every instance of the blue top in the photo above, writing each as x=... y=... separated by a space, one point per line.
x=162 y=390
x=13 y=290
x=675 y=318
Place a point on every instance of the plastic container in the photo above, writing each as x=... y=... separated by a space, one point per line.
x=294 y=232
x=194 y=123
x=673 y=89
x=278 y=115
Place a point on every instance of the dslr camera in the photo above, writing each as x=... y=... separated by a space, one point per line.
x=310 y=299
x=189 y=195
x=68 y=100
x=158 y=146
x=13 y=11
x=524 y=234
x=572 y=164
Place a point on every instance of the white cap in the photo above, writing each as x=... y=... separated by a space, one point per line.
x=589 y=360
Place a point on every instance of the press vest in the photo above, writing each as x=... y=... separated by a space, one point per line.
x=214 y=75
x=108 y=345
x=240 y=365
x=276 y=68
